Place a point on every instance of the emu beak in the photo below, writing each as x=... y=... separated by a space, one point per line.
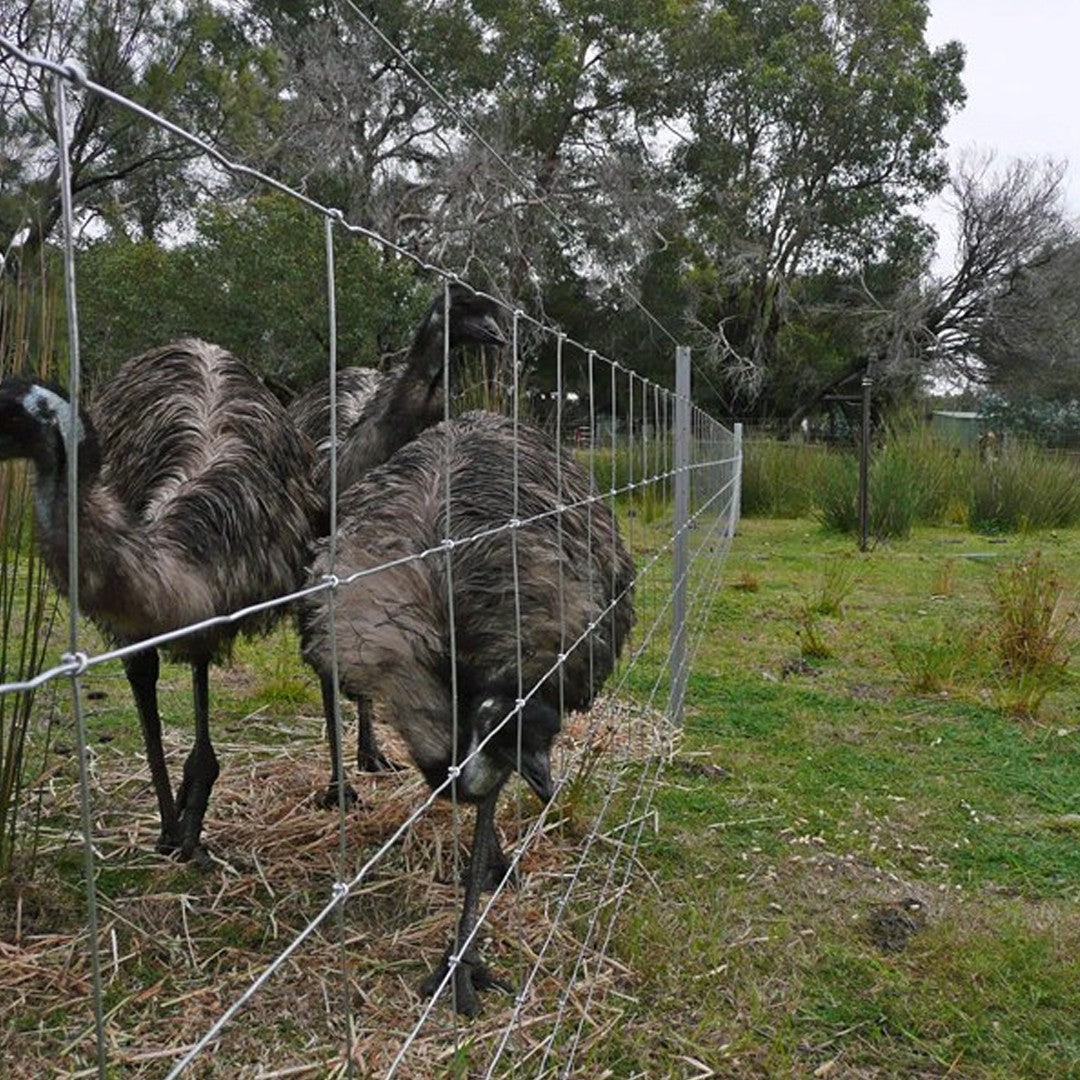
x=535 y=769
x=483 y=330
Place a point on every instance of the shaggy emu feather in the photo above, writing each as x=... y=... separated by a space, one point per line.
x=378 y=412
x=393 y=626
x=195 y=499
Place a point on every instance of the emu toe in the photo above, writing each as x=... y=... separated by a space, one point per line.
x=329 y=800
x=376 y=763
x=197 y=855
x=185 y=850
x=471 y=977
x=168 y=844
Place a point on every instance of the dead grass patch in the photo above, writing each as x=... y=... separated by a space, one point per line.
x=178 y=946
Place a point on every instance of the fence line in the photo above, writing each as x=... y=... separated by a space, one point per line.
x=703 y=476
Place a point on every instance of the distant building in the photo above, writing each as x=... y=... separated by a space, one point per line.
x=961 y=428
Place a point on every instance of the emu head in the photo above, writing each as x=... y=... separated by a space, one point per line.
x=35 y=423
x=517 y=741
x=472 y=320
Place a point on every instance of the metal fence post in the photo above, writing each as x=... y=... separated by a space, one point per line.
x=864 y=467
x=736 y=486
x=680 y=525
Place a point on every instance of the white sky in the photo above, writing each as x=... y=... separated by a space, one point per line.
x=1022 y=75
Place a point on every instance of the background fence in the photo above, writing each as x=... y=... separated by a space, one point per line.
x=301 y=950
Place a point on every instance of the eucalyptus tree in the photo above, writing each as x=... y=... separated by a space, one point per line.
x=811 y=129
x=1006 y=311
x=186 y=60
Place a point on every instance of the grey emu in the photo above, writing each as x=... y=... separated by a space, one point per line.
x=381 y=411
x=393 y=626
x=194 y=499
x=378 y=412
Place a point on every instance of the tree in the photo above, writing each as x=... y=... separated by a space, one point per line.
x=253 y=279
x=357 y=119
x=186 y=60
x=1009 y=307
x=810 y=126
x=1006 y=315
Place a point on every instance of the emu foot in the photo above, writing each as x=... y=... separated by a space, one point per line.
x=329 y=800
x=192 y=852
x=168 y=844
x=197 y=855
x=470 y=977
x=376 y=763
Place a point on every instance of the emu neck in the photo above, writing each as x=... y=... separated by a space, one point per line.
x=105 y=528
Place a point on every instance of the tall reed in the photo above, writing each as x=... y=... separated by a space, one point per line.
x=1025 y=488
x=30 y=316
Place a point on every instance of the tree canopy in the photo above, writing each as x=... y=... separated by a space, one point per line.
x=741 y=175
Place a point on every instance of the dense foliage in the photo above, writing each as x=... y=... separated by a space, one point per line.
x=745 y=177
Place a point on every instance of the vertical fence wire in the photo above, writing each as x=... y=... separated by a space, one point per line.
x=72 y=435
x=340 y=891
x=451 y=618
x=515 y=556
x=681 y=481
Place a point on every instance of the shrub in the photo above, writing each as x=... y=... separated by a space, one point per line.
x=1031 y=634
x=932 y=660
x=836 y=499
x=1026 y=488
x=779 y=478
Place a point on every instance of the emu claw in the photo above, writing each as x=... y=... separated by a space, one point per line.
x=167 y=844
x=193 y=852
x=376 y=763
x=198 y=855
x=470 y=976
x=329 y=800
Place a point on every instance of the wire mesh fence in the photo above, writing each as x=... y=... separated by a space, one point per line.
x=303 y=948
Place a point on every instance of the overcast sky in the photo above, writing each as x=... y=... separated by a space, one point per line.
x=1022 y=76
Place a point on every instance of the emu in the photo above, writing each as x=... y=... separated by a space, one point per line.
x=393 y=626
x=378 y=412
x=195 y=499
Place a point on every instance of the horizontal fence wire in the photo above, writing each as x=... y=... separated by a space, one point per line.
x=634 y=473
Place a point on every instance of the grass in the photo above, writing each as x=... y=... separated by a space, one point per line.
x=27 y=602
x=915 y=479
x=845 y=788
x=803 y=801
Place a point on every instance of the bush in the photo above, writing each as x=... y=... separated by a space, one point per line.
x=932 y=660
x=836 y=500
x=779 y=478
x=1025 y=488
x=894 y=494
x=1032 y=633
x=918 y=479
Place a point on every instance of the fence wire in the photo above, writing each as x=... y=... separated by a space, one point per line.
x=670 y=475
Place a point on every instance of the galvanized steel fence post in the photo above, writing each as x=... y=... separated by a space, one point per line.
x=679 y=528
x=864 y=467
x=736 y=484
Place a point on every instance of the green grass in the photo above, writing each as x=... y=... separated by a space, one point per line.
x=839 y=788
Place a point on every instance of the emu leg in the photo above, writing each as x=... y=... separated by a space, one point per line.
x=200 y=771
x=142 y=670
x=470 y=974
x=337 y=782
x=497 y=863
x=369 y=758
